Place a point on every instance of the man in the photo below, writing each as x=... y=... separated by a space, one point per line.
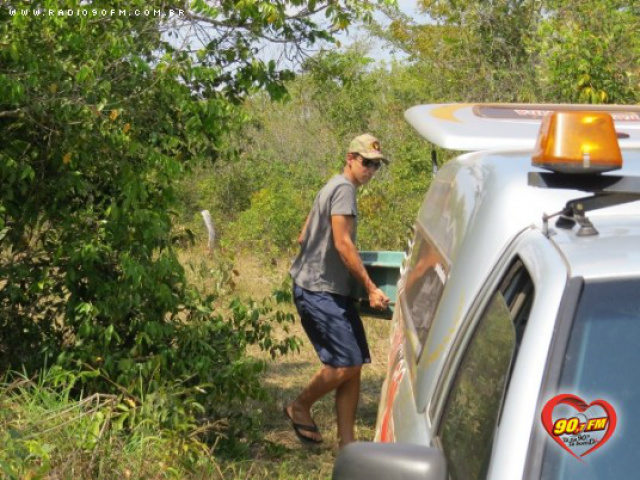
x=325 y=275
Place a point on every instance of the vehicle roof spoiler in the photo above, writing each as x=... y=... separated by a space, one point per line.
x=506 y=126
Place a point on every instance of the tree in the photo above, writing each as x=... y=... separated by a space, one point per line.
x=587 y=52
x=292 y=148
x=100 y=114
x=523 y=50
x=469 y=50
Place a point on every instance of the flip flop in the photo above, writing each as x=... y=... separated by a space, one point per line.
x=298 y=428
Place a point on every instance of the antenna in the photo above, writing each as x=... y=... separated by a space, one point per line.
x=607 y=190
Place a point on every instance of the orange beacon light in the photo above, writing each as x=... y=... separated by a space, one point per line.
x=577 y=142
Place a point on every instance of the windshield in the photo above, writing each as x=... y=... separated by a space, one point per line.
x=602 y=361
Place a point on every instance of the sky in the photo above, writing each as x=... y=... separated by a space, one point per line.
x=381 y=54
x=356 y=32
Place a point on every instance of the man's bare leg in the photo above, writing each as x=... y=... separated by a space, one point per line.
x=324 y=381
x=347 y=396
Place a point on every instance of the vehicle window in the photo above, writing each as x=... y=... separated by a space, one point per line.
x=426 y=276
x=444 y=226
x=601 y=362
x=473 y=405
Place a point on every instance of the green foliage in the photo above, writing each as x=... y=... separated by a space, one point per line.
x=342 y=77
x=100 y=118
x=287 y=150
x=523 y=51
x=588 y=54
x=471 y=51
x=45 y=432
x=275 y=217
x=389 y=204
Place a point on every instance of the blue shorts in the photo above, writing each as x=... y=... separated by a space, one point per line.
x=333 y=326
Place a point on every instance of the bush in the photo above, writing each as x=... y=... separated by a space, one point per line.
x=100 y=119
x=276 y=215
x=287 y=150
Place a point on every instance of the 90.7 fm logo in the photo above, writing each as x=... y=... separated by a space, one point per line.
x=578 y=427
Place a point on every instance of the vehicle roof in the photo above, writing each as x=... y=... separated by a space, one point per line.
x=483 y=199
x=479 y=203
x=477 y=207
x=481 y=126
x=613 y=253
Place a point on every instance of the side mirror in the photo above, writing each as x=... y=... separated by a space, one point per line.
x=384 y=461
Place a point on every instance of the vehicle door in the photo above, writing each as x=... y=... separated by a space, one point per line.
x=423 y=278
x=499 y=353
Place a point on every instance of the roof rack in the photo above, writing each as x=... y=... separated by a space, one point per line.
x=608 y=191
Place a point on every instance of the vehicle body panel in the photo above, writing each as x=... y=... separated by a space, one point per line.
x=488 y=204
x=481 y=215
x=549 y=273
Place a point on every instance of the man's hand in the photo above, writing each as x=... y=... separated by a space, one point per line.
x=378 y=300
x=342 y=226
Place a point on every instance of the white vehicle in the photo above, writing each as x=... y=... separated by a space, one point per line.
x=515 y=352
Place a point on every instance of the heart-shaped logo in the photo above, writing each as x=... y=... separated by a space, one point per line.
x=576 y=426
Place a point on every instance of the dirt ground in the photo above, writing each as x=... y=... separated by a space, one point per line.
x=281 y=454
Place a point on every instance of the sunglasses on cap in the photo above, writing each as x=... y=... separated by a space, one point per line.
x=368 y=163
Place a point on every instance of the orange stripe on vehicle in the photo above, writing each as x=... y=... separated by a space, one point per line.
x=447 y=112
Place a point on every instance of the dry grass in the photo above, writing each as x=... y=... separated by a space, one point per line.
x=282 y=455
x=46 y=434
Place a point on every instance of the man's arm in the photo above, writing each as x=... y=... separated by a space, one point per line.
x=342 y=226
x=304 y=230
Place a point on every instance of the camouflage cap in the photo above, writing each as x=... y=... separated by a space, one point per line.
x=368 y=146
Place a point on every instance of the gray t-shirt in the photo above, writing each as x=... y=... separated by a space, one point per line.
x=318 y=266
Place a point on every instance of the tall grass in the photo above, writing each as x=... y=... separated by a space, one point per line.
x=50 y=430
x=46 y=432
